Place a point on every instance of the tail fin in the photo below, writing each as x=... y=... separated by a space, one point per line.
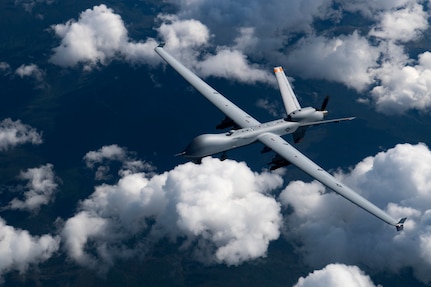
x=289 y=99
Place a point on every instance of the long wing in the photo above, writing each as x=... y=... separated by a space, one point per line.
x=240 y=117
x=292 y=155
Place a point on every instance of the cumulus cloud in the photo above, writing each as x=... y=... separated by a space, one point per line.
x=32 y=71
x=403 y=86
x=88 y=41
x=184 y=38
x=336 y=275
x=111 y=152
x=182 y=34
x=347 y=59
x=402 y=25
x=98 y=37
x=107 y=154
x=284 y=33
x=232 y=64
x=220 y=211
x=19 y=249
x=39 y=190
x=13 y=133
x=328 y=229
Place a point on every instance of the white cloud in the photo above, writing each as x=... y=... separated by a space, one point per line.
x=19 y=249
x=90 y=42
x=346 y=59
x=246 y=40
x=182 y=34
x=402 y=25
x=13 y=133
x=98 y=37
x=336 y=275
x=223 y=206
x=187 y=38
x=111 y=152
x=283 y=33
x=329 y=229
x=403 y=86
x=32 y=71
x=233 y=64
x=365 y=61
x=107 y=154
x=76 y=233
x=39 y=190
x=220 y=208
x=372 y=9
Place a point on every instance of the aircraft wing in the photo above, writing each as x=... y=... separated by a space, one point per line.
x=240 y=117
x=288 y=152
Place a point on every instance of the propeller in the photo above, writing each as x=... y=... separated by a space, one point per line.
x=324 y=104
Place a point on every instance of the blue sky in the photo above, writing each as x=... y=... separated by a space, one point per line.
x=91 y=117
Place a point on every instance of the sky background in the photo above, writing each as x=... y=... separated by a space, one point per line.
x=90 y=118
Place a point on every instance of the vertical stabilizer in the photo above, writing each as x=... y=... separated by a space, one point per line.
x=289 y=99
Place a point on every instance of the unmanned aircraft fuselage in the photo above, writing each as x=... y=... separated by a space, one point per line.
x=210 y=144
x=248 y=130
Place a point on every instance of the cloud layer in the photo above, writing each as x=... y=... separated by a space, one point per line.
x=328 y=229
x=363 y=59
x=89 y=42
x=218 y=210
x=372 y=60
x=222 y=212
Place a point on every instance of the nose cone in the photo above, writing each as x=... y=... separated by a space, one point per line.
x=195 y=148
x=207 y=144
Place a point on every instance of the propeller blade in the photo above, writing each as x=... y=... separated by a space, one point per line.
x=324 y=104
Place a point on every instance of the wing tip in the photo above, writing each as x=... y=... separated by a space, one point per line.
x=278 y=69
x=180 y=153
x=400 y=224
x=159 y=46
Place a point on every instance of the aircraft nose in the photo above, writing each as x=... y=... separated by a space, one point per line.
x=194 y=148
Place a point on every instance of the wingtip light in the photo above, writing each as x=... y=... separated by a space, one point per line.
x=278 y=69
